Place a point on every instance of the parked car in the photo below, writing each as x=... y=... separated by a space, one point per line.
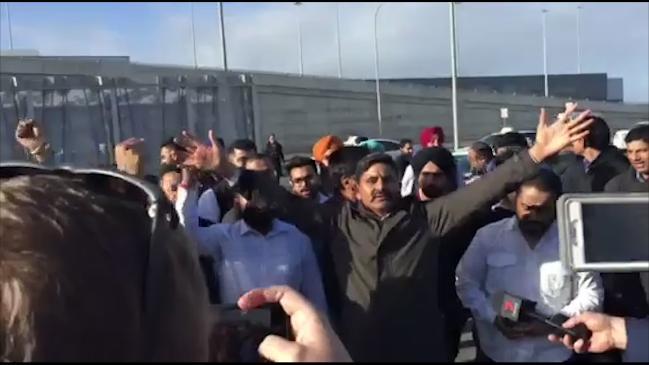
x=620 y=135
x=490 y=139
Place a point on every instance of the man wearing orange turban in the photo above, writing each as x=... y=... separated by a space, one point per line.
x=325 y=147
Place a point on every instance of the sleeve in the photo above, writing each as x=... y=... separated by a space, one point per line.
x=208 y=207
x=613 y=186
x=589 y=296
x=408 y=181
x=637 y=334
x=312 y=287
x=448 y=212
x=470 y=277
x=206 y=238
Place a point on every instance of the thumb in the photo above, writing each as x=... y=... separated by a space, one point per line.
x=277 y=349
x=543 y=118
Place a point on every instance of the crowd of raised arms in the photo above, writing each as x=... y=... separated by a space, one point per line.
x=372 y=256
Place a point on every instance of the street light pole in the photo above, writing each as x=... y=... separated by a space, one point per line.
x=456 y=139
x=194 y=35
x=299 y=42
x=11 y=37
x=223 y=48
x=578 y=39
x=545 y=54
x=376 y=71
x=340 y=61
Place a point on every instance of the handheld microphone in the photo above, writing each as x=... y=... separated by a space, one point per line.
x=521 y=310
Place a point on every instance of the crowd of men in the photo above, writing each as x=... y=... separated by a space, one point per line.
x=393 y=255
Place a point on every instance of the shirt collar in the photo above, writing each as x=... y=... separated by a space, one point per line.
x=278 y=228
x=640 y=178
x=512 y=225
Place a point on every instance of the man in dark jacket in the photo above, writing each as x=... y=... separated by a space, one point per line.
x=598 y=162
x=636 y=178
x=385 y=251
x=276 y=154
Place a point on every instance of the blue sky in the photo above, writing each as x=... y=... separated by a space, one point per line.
x=494 y=38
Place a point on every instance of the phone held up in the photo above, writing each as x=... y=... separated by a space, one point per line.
x=235 y=334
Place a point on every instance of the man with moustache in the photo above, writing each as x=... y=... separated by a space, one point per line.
x=385 y=250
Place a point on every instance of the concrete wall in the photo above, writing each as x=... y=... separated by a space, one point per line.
x=299 y=110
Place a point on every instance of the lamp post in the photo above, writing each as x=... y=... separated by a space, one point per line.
x=545 y=54
x=578 y=39
x=376 y=70
x=456 y=137
x=11 y=37
x=223 y=48
x=193 y=35
x=340 y=62
x=299 y=42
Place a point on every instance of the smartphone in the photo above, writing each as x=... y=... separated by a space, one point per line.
x=604 y=232
x=236 y=334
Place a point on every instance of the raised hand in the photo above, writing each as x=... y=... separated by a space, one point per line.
x=552 y=138
x=30 y=135
x=198 y=155
x=129 y=156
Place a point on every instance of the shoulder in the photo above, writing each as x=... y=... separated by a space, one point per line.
x=496 y=228
x=615 y=183
x=291 y=230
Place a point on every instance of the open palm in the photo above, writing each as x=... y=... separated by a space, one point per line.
x=200 y=156
x=552 y=138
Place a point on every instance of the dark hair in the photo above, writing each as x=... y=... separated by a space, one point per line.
x=599 y=137
x=242 y=144
x=372 y=159
x=165 y=168
x=545 y=180
x=171 y=143
x=299 y=161
x=483 y=150
x=502 y=157
x=220 y=141
x=259 y=156
x=510 y=139
x=342 y=163
x=638 y=133
x=404 y=141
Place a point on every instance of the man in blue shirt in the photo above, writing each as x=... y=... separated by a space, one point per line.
x=257 y=250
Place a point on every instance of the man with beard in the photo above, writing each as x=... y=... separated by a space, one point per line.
x=304 y=180
x=520 y=256
x=258 y=250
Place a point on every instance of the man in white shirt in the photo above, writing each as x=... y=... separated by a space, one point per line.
x=520 y=255
x=257 y=250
